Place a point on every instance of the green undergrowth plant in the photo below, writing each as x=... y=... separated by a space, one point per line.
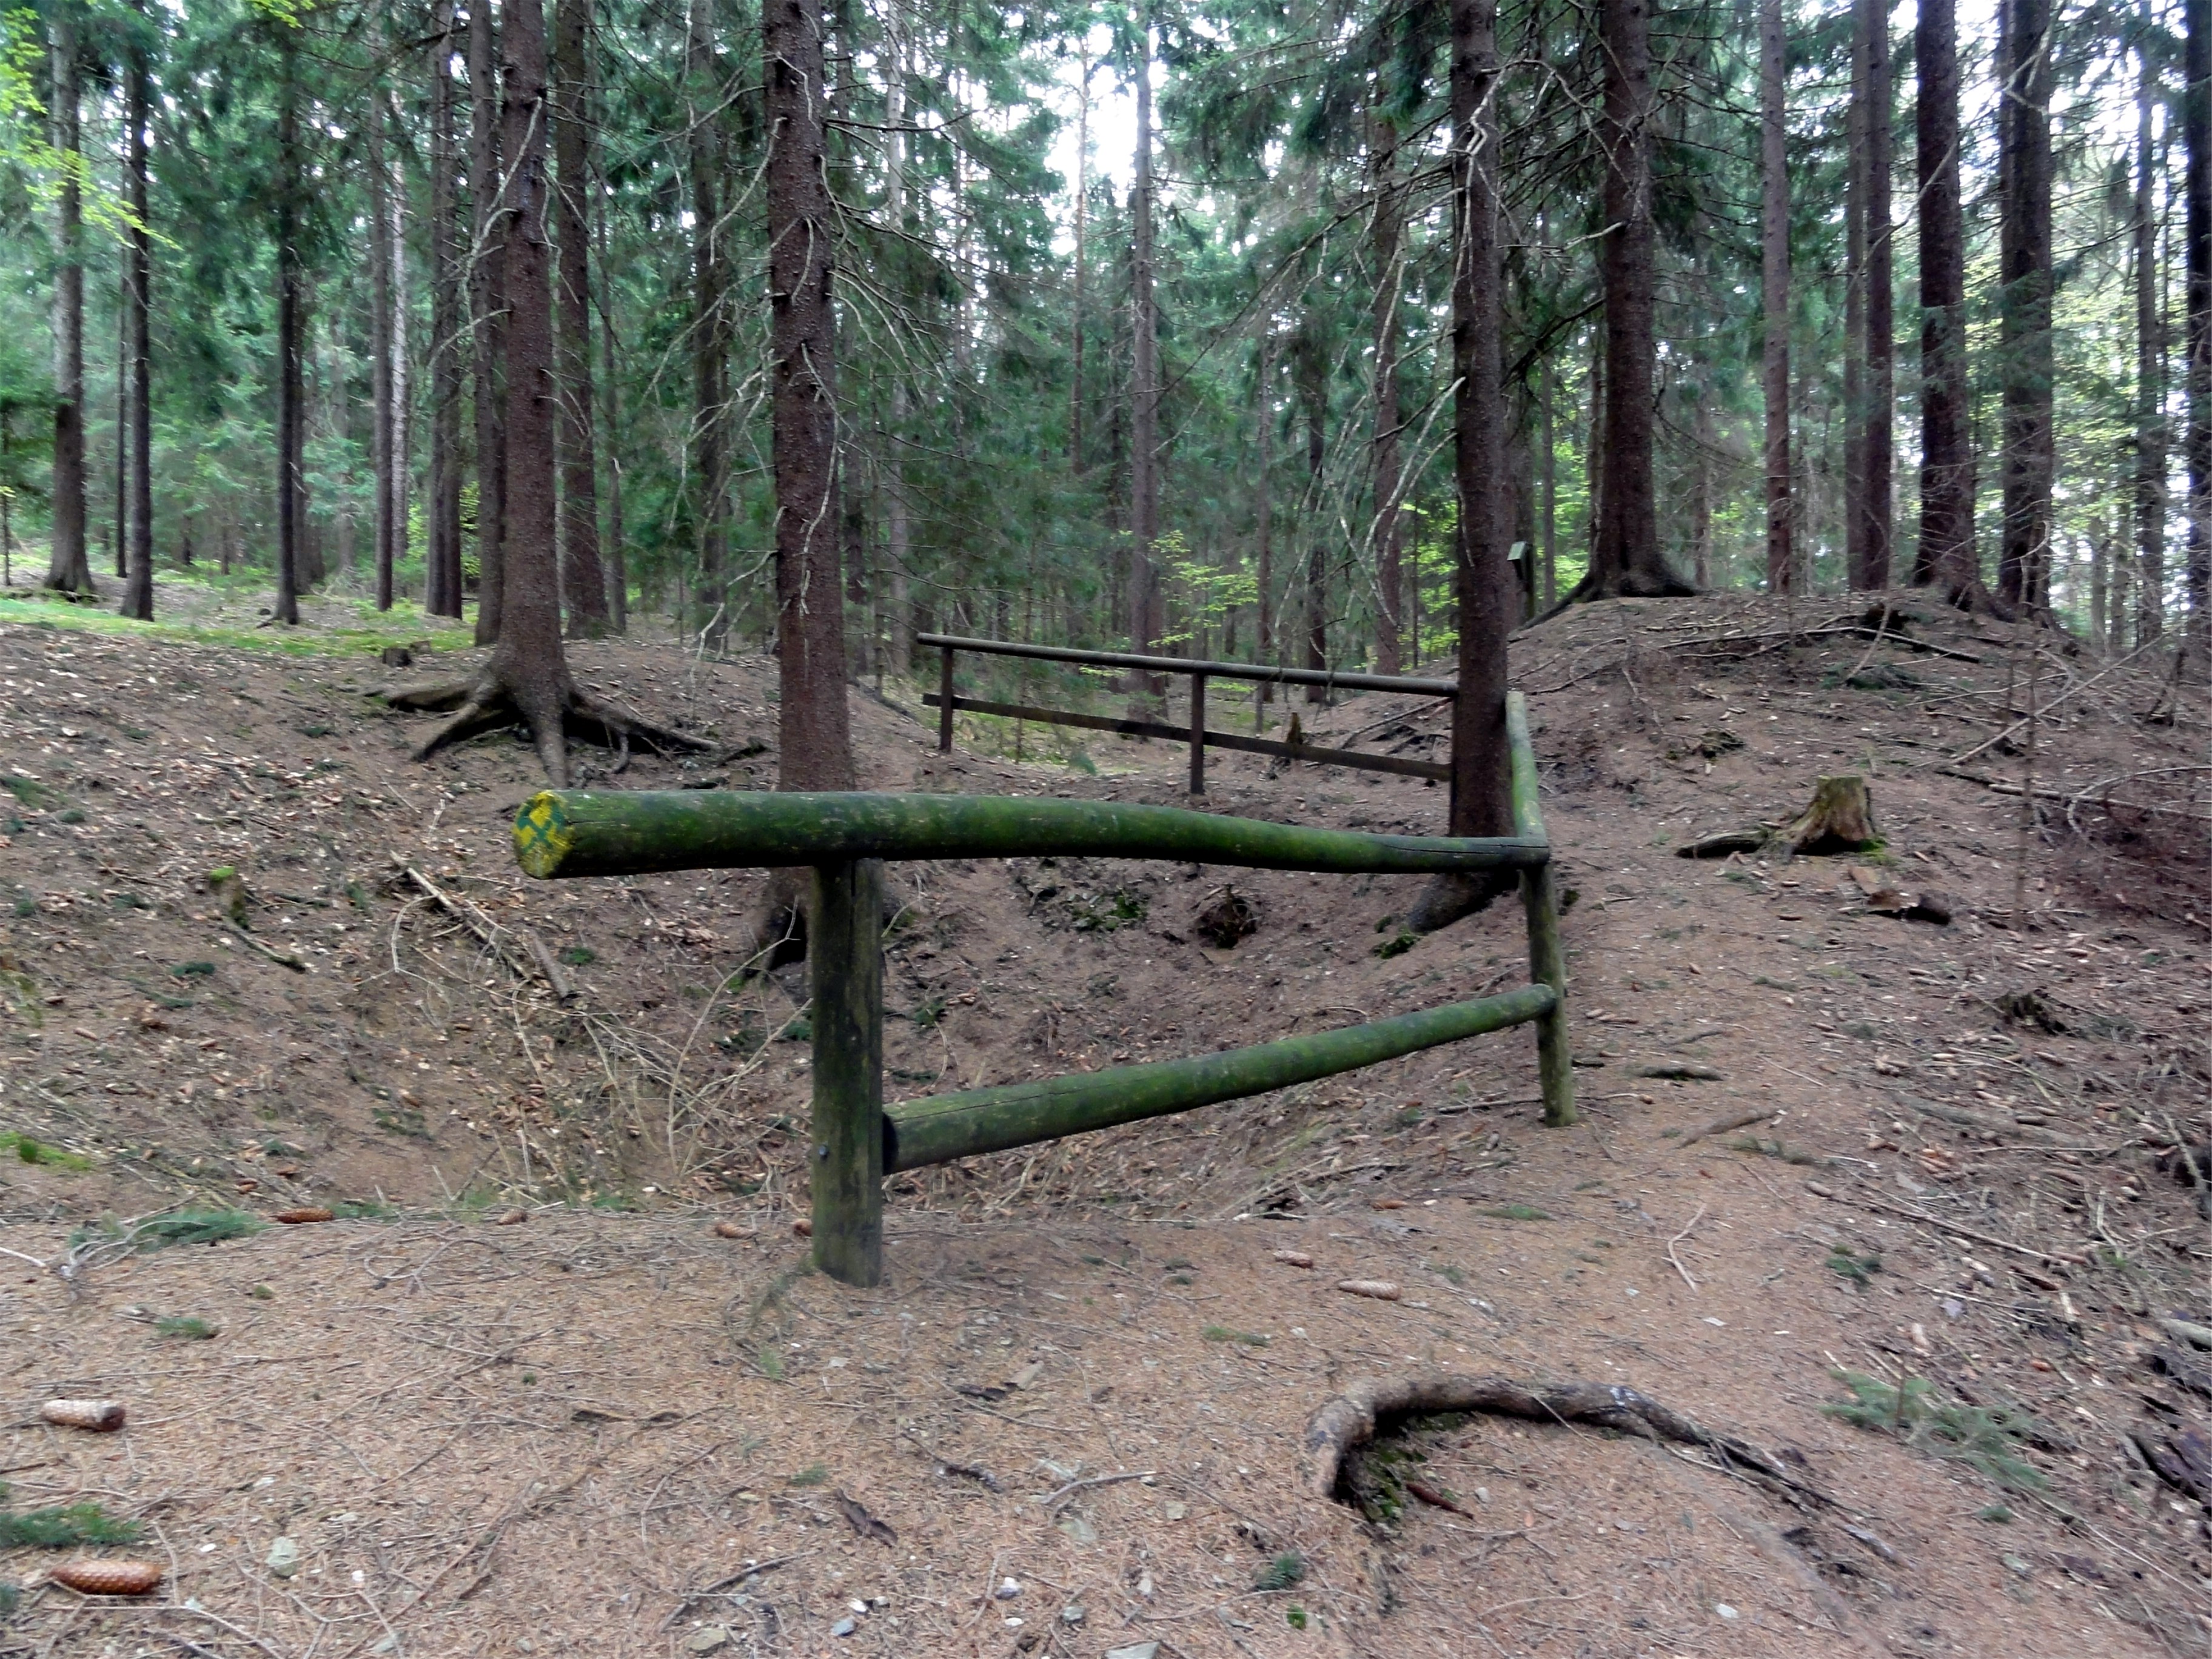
x=1858 y=1269
x=37 y=1152
x=177 y=1227
x=1986 y=1438
x=185 y=1328
x=1281 y=1573
x=64 y=1527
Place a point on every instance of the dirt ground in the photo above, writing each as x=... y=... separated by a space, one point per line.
x=1071 y=1422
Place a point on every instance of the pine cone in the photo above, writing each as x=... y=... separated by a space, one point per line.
x=108 y=1577
x=294 y=1218
x=101 y=1416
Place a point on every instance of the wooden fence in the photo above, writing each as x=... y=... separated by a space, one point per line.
x=946 y=702
x=855 y=1140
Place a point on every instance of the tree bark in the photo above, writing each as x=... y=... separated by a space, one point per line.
x=489 y=207
x=68 y=569
x=2024 y=259
x=1626 y=559
x=400 y=443
x=1482 y=798
x=1311 y=370
x=1263 y=406
x=709 y=328
x=441 y=595
x=897 y=657
x=1946 y=556
x=1082 y=215
x=1871 y=531
x=814 y=728
x=615 y=548
x=2150 y=354
x=1387 y=238
x=138 y=264
x=289 y=423
x=2197 y=135
x=1144 y=594
x=380 y=349
x=1774 y=259
x=583 y=582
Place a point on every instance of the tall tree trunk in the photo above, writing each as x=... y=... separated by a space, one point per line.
x=1386 y=238
x=1869 y=533
x=442 y=595
x=1312 y=374
x=2197 y=135
x=400 y=443
x=528 y=661
x=1144 y=597
x=1548 y=467
x=897 y=655
x=68 y=569
x=2024 y=349
x=1774 y=259
x=617 y=555
x=1263 y=406
x=1082 y=215
x=1854 y=355
x=814 y=729
x=584 y=583
x=488 y=316
x=1483 y=579
x=2150 y=352
x=1626 y=558
x=709 y=326
x=138 y=590
x=289 y=421
x=1946 y=556
x=379 y=348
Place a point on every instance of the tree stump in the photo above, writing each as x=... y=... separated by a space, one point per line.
x=1839 y=820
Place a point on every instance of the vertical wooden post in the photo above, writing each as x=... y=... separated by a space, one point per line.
x=1198 y=734
x=945 y=706
x=844 y=956
x=1548 y=958
x=1547 y=965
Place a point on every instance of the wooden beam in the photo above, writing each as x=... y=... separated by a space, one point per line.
x=1227 y=671
x=1548 y=960
x=845 y=962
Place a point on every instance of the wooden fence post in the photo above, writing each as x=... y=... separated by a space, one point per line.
x=945 y=706
x=1198 y=734
x=1547 y=957
x=844 y=956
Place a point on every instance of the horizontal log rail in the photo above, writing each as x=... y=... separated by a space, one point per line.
x=845 y=837
x=572 y=832
x=1199 y=670
x=1317 y=753
x=942 y=1128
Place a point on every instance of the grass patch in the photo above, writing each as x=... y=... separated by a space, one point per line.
x=580 y=956
x=192 y=971
x=1516 y=1213
x=364 y=1209
x=814 y=1474
x=1986 y=1438
x=37 y=1151
x=185 y=1328
x=1223 y=1334
x=28 y=792
x=1286 y=1570
x=178 y=1227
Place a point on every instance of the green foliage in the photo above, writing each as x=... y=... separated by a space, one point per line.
x=1859 y=1270
x=1984 y=1437
x=177 y=1227
x=193 y=969
x=187 y=1326
x=65 y=1527
x=580 y=956
x=814 y=1474
x=1398 y=944
x=37 y=1151
x=1287 y=1569
x=1517 y=1212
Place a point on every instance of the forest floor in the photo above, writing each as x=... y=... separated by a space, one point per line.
x=524 y=1397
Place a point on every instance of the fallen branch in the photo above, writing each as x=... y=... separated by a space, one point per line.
x=2037 y=714
x=1349 y=1420
x=282 y=958
x=1990 y=1239
x=1677 y=1239
x=1721 y=1126
x=1999 y=785
x=488 y=932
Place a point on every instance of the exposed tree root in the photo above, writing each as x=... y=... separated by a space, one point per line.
x=1450 y=898
x=484 y=704
x=1350 y=1420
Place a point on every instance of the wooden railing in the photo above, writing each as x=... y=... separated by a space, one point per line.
x=856 y=1141
x=946 y=702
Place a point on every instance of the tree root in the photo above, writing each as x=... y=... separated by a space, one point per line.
x=484 y=705
x=1350 y=1420
x=1452 y=896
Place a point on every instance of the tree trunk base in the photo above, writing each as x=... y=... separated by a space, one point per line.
x=487 y=704
x=1351 y=1420
x=1453 y=898
x=1840 y=819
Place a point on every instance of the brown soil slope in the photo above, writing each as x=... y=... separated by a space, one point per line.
x=604 y=1428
